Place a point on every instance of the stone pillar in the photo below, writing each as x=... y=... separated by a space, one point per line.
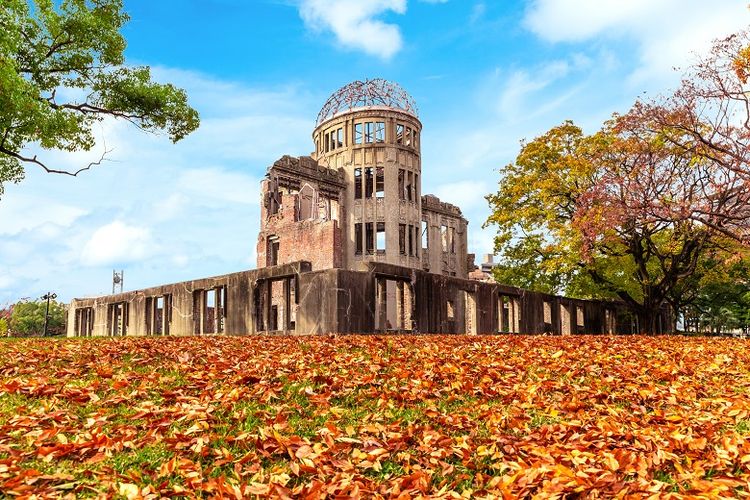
x=516 y=315
x=408 y=306
x=401 y=317
x=381 y=300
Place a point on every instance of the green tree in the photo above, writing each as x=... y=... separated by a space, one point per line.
x=27 y=318
x=62 y=70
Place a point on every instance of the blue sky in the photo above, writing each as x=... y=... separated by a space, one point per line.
x=485 y=75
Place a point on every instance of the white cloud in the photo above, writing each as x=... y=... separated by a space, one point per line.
x=355 y=24
x=163 y=212
x=117 y=243
x=30 y=212
x=662 y=46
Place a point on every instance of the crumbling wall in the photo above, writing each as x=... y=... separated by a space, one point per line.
x=188 y=314
x=446 y=238
x=301 y=211
x=293 y=299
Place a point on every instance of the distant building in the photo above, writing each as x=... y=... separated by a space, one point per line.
x=348 y=243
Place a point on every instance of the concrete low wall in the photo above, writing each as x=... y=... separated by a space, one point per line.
x=293 y=299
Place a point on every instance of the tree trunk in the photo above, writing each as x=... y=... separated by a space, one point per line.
x=647 y=320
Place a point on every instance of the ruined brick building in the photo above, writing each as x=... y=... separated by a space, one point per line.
x=348 y=243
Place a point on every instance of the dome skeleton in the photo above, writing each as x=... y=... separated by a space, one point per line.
x=359 y=94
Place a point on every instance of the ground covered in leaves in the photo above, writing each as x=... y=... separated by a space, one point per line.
x=375 y=416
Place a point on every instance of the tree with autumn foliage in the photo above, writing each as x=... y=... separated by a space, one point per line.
x=630 y=211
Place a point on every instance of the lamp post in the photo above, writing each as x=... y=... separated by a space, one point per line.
x=47 y=296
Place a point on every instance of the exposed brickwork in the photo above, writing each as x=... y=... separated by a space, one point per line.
x=301 y=209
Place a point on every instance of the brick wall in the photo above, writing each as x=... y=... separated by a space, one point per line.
x=317 y=241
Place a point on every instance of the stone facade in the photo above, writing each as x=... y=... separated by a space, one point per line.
x=349 y=244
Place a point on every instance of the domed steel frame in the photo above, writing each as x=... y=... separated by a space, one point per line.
x=375 y=92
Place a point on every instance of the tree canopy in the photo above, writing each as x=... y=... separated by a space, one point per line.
x=27 y=318
x=61 y=71
x=631 y=210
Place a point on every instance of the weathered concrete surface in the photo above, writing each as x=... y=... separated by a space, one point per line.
x=347 y=244
x=349 y=301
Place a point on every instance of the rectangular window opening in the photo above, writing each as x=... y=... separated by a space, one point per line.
x=273 y=251
x=399 y=133
x=358 y=183
x=340 y=138
x=369 y=238
x=408 y=189
x=407 y=140
x=402 y=239
x=358 y=133
x=381 y=237
x=379 y=131
x=209 y=318
x=411 y=240
x=425 y=235
x=401 y=184
x=369 y=181
x=369 y=132
x=444 y=237
x=358 y=238
x=379 y=182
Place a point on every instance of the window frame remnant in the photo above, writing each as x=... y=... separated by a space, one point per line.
x=305 y=203
x=369 y=182
x=379 y=135
x=400 y=133
x=84 y=321
x=380 y=239
x=379 y=182
x=402 y=239
x=358 y=248
x=118 y=316
x=158 y=314
x=272 y=250
x=358 y=183
x=369 y=238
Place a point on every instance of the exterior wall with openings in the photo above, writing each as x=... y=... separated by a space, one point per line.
x=295 y=299
x=301 y=213
x=379 y=154
x=348 y=244
x=444 y=238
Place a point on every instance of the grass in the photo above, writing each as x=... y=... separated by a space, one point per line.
x=419 y=414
